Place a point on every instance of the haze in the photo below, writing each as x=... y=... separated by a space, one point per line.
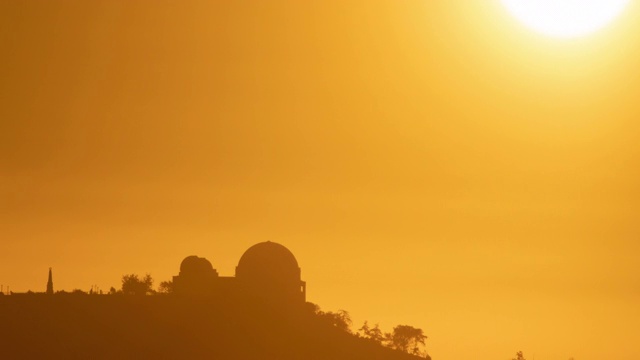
x=429 y=162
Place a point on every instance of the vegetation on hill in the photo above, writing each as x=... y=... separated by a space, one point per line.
x=136 y=323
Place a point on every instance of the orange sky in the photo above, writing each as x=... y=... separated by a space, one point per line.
x=428 y=162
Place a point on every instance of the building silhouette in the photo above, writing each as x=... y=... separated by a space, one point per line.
x=267 y=271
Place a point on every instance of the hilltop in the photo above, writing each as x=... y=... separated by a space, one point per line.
x=80 y=326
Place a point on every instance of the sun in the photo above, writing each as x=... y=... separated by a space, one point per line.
x=566 y=18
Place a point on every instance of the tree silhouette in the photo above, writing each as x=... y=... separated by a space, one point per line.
x=166 y=287
x=519 y=356
x=407 y=339
x=133 y=285
x=372 y=333
x=340 y=319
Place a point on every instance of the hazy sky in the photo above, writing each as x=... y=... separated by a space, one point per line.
x=428 y=162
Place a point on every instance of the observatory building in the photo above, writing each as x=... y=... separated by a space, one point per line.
x=266 y=271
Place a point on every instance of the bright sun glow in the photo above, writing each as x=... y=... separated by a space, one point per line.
x=566 y=18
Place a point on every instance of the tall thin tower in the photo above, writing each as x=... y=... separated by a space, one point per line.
x=50 y=283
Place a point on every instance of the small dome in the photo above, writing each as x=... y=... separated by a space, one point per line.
x=192 y=265
x=268 y=261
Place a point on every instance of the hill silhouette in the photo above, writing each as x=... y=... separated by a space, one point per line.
x=82 y=326
x=261 y=313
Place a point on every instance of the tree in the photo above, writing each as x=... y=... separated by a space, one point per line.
x=312 y=308
x=372 y=333
x=519 y=356
x=133 y=285
x=407 y=339
x=340 y=319
x=166 y=287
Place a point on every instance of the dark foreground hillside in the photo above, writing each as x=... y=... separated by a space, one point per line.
x=76 y=326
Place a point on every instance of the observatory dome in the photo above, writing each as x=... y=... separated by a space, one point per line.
x=193 y=265
x=268 y=261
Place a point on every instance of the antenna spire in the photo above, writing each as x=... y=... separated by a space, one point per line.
x=50 y=283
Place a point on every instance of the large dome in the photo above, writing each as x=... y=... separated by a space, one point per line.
x=268 y=261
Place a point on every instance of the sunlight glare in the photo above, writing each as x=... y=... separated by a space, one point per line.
x=566 y=18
